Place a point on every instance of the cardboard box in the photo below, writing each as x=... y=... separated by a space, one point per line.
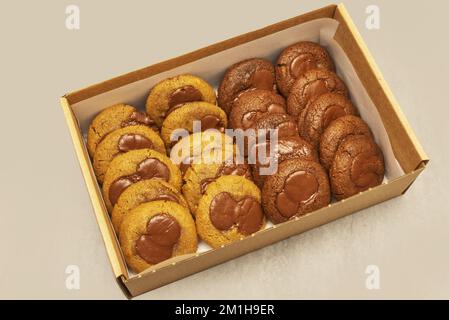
x=81 y=106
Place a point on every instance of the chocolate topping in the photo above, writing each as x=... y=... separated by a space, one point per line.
x=262 y=79
x=301 y=64
x=332 y=113
x=315 y=89
x=287 y=129
x=166 y=197
x=211 y=122
x=246 y=214
x=163 y=232
x=184 y=94
x=365 y=170
x=139 y=118
x=250 y=118
x=147 y=169
x=299 y=187
x=133 y=141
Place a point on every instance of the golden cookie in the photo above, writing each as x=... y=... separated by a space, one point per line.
x=156 y=231
x=121 y=141
x=113 y=118
x=172 y=92
x=230 y=210
x=136 y=165
x=141 y=192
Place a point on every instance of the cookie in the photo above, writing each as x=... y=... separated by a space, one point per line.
x=199 y=176
x=310 y=86
x=113 y=118
x=299 y=187
x=336 y=133
x=203 y=147
x=247 y=74
x=121 y=141
x=249 y=106
x=285 y=124
x=209 y=116
x=156 y=231
x=171 y=92
x=317 y=116
x=296 y=60
x=229 y=210
x=134 y=166
x=285 y=149
x=141 y=192
x=358 y=165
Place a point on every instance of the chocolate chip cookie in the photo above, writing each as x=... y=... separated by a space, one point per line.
x=171 y=92
x=317 y=116
x=134 y=166
x=336 y=133
x=113 y=118
x=286 y=148
x=310 y=86
x=207 y=116
x=249 y=106
x=121 y=141
x=299 y=187
x=156 y=231
x=141 y=192
x=247 y=74
x=358 y=165
x=229 y=210
x=296 y=60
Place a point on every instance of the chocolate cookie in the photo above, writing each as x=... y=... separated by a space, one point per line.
x=121 y=141
x=203 y=147
x=141 y=192
x=134 y=166
x=336 y=133
x=284 y=123
x=174 y=91
x=296 y=60
x=317 y=116
x=229 y=210
x=156 y=231
x=248 y=74
x=113 y=118
x=286 y=148
x=209 y=116
x=299 y=187
x=310 y=86
x=199 y=176
x=358 y=165
x=249 y=106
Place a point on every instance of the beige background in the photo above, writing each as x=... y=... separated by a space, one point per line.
x=46 y=220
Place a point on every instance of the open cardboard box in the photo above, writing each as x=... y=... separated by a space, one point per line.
x=210 y=63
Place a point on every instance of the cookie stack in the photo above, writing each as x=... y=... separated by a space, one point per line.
x=165 y=182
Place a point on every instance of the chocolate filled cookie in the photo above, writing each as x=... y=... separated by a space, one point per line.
x=141 y=192
x=310 y=86
x=318 y=115
x=299 y=187
x=358 y=165
x=248 y=74
x=134 y=166
x=171 y=92
x=156 y=231
x=286 y=148
x=249 y=106
x=199 y=176
x=206 y=115
x=203 y=147
x=121 y=141
x=113 y=118
x=229 y=210
x=336 y=133
x=296 y=60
